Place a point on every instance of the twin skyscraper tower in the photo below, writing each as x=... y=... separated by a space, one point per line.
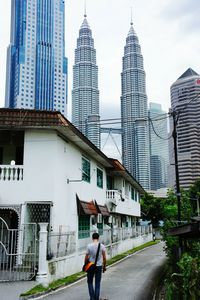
x=37 y=78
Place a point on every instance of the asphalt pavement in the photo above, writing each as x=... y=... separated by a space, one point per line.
x=134 y=278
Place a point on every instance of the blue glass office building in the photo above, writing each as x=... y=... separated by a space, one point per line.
x=159 y=152
x=36 y=64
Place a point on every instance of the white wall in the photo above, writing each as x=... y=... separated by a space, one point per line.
x=128 y=207
x=49 y=162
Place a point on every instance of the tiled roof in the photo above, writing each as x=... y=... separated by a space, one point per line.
x=91 y=208
x=86 y=208
x=102 y=209
x=31 y=118
x=117 y=165
x=26 y=118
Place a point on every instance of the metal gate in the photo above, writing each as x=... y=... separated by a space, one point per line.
x=18 y=249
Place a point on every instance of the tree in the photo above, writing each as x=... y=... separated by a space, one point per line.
x=171 y=207
x=194 y=194
x=152 y=209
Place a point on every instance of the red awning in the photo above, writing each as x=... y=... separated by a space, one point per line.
x=86 y=208
x=102 y=209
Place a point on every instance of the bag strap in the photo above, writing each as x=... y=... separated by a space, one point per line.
x=97 y=254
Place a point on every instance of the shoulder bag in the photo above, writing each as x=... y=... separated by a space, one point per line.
x=90 y=266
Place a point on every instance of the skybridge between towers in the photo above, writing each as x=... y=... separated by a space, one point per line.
x=111 y=130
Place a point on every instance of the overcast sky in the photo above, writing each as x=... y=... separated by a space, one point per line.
x=168 y=32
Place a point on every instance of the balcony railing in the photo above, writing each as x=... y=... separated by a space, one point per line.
x=113 y=196
x=11 y=173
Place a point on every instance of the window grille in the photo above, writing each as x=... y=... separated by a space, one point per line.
x=83 y=227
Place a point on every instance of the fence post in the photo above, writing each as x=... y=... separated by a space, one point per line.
x=111 y=241
x=42 y=266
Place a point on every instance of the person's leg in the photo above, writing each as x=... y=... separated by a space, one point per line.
x=98 y=273
x=90 y=277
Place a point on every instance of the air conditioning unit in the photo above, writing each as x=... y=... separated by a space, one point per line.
x=99 y=218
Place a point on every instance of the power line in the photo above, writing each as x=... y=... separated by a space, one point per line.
x=113 y=121
x=193 y=99
x=165 y=139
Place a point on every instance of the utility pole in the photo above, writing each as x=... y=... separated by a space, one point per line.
x=175 y=116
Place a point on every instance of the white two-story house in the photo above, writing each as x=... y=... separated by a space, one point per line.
x=50 y=172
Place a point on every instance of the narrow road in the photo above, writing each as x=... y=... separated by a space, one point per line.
x=131 y=279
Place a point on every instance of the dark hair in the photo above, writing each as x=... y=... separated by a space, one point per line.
x=95 y=236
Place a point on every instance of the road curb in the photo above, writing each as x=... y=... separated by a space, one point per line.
x=51 y=290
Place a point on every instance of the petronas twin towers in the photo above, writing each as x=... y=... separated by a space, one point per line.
x=37 y=72
x=85 y=101
x=85 y=94
x=135 y=145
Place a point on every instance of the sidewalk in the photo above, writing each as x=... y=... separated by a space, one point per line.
x=12 y=290
x=134 y=278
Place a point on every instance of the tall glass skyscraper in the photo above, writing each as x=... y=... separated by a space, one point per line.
x=159 y=153
x=36 y=63
x=85 y=93
x=135 y=145
x=185 y=100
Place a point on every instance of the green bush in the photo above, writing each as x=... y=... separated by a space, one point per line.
x=183 y=276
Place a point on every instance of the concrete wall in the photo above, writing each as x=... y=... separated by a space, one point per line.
x=68 y=265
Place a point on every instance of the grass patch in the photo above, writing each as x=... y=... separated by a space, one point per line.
x=129 y=252
x=39 y=289
x=54 y=285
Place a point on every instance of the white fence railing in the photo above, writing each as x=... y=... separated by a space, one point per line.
x=63 y=244
x=11 y=173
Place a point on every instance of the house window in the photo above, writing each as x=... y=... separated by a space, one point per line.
x=19 y=155
x=99 y=178
x=1 y=155
x=85 y=169
x=109 y=182
x=132 y=194
x=83 y=227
